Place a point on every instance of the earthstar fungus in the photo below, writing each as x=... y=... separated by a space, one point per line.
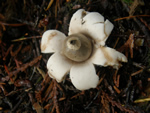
x=83 y=48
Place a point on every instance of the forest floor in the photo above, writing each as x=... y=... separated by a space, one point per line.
x=25 y=86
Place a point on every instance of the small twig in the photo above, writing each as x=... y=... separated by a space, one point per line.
x=116 y=43
x=101 y=79
x=138 y=65
x=55 y=97
x=8 y=50
x=135 y=73
x=23 y=68
x=129 y=17
x=115 y=78
x=119 y=105
x=49 y=89
x=92 y=101
x=49 y=5
x=12 y=25
x=19 y=102
x=142 y=100
x=116 y=89
x=3 y=89
x=145 y=23
x=61 y=90
x=16 y=51
x=48 y=106
x=26 y=38
x=129 y=44
x=75 y=96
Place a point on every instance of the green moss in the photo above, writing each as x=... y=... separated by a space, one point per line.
x=128 y=1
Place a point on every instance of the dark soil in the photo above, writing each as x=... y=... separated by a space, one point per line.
x=25 y=86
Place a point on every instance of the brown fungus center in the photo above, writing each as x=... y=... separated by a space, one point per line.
x=77 y=47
